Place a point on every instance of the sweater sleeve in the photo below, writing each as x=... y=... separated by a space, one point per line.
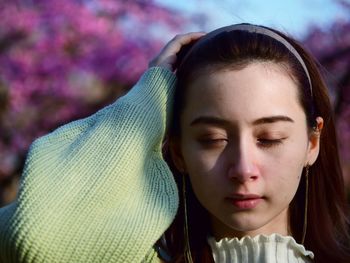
x=97 y=189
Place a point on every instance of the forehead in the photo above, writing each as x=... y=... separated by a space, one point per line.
x=257 y=90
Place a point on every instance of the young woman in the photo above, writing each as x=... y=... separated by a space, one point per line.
x=253 y=134
x=250 y=143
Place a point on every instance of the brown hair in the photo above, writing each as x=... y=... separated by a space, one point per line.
x=327 y=234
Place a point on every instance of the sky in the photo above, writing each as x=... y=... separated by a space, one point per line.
x=290 y=16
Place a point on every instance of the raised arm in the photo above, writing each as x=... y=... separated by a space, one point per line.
x=98 y=189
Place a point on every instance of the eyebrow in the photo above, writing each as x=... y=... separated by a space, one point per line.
x=272 y=119
x=211 y=120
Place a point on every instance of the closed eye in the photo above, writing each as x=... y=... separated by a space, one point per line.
x=269 y=143
x=213 y=142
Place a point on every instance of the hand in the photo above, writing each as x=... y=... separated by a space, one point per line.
x=167 y=57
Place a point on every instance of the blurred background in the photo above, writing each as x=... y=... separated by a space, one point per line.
x=63 y=60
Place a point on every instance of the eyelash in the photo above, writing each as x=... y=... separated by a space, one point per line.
x=263 y=143
x=212 y=142
x=269 y=143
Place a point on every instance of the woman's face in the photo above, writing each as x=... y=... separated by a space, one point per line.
x=244 y=143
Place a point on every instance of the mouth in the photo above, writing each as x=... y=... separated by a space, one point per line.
x=245 y=201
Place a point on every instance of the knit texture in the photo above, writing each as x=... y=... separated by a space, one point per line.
x=97 y=189
x=259 y=249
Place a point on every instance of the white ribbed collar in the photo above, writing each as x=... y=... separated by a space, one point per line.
x=259 y=249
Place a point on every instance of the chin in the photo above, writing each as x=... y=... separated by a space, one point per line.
x=238 y=227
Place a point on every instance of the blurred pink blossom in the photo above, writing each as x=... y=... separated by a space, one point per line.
x=62 y=60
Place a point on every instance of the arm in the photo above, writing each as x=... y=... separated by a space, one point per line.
x=97 y=190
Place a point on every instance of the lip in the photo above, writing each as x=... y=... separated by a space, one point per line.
x=245 y=201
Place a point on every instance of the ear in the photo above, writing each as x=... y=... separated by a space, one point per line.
x=314 y=142
x=176 y=155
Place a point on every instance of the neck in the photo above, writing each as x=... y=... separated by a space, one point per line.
x=278 y=225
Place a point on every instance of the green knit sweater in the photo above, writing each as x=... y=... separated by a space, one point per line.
x=97 y=189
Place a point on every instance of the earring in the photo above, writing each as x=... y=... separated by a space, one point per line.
x=307 y=167
x=187 y=252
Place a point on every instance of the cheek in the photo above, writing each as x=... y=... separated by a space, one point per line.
x=204 y=168
x=197 y=160
x=282 y=173
x=292 y=161
x=289 y=158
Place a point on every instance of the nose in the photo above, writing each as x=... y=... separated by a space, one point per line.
x=243 y=166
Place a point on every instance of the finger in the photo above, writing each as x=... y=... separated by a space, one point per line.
x=179 y=41
x=167 y=57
